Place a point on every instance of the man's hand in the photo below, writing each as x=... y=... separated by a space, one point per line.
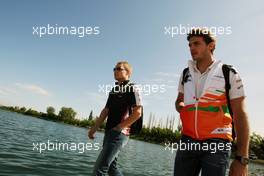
x=117 y=128
x=98 y=122
x=136 y=114
x=179 y=104
x=91 y=133
x=238 y=169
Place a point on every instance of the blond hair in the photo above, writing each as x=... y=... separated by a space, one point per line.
x=127 y=66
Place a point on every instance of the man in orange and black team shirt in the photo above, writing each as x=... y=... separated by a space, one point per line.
x=211 y=96
x=123 y=108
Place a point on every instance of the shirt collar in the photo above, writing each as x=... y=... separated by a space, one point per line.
x=193 y=64
x=123 y=83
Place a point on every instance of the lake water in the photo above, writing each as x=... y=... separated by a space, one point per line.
x=23 y=136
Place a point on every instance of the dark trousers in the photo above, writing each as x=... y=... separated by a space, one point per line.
x=211 y=157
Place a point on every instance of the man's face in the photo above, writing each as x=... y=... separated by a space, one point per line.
x=198 y=48
x=120 y=73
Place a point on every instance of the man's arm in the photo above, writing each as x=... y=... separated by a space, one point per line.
x=135 y=102
x=241 y=125
x=179 y=104
x=136 y=114
x=101 y=118
x=242 y=132
x=98 y=122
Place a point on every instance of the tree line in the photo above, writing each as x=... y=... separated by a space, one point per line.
x=155 y=131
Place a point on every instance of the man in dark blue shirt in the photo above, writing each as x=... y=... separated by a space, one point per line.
x=123 y=108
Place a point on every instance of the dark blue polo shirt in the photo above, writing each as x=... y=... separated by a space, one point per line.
x=120 y=101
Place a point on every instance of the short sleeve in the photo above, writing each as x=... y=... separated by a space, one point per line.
x=237 y=87
x=108 y=102
x=136 y=98
x=180 y=86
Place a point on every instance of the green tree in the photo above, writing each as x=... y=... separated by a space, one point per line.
x=91 y=115
x=32 y=112
x=50 y=111
x=67 y=113
x=257 y=145
x=17 y=108
x=23 y=110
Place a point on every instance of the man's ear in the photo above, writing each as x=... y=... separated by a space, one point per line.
x=211 y=46
x=129 y=74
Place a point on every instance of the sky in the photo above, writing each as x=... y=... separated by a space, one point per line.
x=68 y=70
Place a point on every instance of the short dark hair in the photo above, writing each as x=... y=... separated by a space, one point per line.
x=202 y=32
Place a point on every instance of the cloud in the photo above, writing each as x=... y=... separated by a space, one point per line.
x=165 y=74
x=7 y=91
x=2 y=92
x=33 y=88
x=95 y=97
x=169 y=79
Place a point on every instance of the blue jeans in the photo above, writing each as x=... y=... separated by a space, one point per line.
x=106 y=162
x=212 y=162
